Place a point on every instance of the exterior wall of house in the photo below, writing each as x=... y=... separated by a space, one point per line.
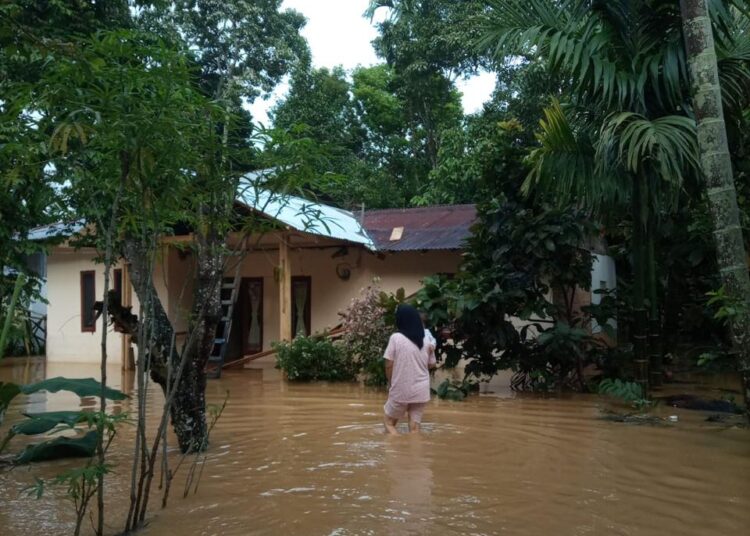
x=174 y=276
x=330 y=293
x=65 y=340
x=407 y=269
x=178 y=286
x=603 y=277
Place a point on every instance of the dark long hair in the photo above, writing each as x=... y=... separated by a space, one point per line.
x=409 y=324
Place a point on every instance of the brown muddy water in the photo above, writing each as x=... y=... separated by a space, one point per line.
x=313 y=460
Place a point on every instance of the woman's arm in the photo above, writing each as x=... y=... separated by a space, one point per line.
x=388 y=370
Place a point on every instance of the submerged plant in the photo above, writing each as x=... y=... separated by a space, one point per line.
x=455 y=390
x=630 y=392
x=81 y=483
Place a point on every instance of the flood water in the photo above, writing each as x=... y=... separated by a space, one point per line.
x=313 y=460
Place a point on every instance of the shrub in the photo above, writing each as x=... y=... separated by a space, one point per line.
x=366 y=334
x=314 y=358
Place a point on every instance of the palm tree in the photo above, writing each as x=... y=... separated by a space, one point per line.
x=717 y=172
x=621 y=137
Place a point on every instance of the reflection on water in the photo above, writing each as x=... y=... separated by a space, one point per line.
x=312 y=459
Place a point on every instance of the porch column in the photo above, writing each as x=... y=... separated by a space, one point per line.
x=285 y=290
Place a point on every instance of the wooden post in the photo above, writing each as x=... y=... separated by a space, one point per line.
x=127 y=301
x=285 y=291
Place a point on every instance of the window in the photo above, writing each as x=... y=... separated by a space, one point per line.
x=301 y=290
x=250 y=307
x=117 y=283
x=88 y=297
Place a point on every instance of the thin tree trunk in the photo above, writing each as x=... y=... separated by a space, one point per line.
x=717 y=173
x=640 y=313
x=654 y=319
x=108 y=261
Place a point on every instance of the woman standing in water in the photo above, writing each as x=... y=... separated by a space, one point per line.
x=409 y=358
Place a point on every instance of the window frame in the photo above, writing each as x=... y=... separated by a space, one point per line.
x=308 y=306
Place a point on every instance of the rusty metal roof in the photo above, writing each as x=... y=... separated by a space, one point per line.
x=424 y=228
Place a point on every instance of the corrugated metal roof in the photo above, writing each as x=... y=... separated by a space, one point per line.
x=55 y=230
x=424 y=228
x=302 y=214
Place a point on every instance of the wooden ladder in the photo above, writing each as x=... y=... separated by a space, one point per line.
x=230 y=288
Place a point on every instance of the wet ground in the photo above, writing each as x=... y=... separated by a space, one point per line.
x=313 y=460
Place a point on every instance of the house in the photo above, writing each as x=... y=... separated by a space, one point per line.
x=293 y=279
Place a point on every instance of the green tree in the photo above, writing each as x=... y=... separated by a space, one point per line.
x=243 y=49
x=479 y=161
x=320 y=99
x=518 y=257
x=29 y=198
x=362 y=129
x=621 y=136
x=320 y=111
x=423 y=42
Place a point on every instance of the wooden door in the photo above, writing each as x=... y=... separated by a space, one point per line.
x=251 y=314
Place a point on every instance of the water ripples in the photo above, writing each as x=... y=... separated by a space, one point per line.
x=313 y=460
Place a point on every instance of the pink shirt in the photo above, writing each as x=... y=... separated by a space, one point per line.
x=410 y=382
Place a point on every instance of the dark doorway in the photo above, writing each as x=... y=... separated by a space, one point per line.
x=250 y=302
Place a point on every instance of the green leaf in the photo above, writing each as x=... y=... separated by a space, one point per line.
x=40 y=423
x=61 y=447
x=442 y=389
x=8 y=391
x=456 y=395
x=82 y=387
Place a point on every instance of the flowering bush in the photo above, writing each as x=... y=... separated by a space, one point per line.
x=366 y=334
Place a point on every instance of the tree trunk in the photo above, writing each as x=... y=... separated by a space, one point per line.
x=654 y=318
x=188 y=411
x=717 y=172
x=640 y=313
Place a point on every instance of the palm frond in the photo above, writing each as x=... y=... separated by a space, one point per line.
x=623 y=56
x=733 y=53
x=565 y=163
x=663 y=149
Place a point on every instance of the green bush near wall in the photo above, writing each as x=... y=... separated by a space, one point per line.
x=314 y=358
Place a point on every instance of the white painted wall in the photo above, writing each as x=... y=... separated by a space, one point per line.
x=603 y=277
x=330 y=294
x=65 y=340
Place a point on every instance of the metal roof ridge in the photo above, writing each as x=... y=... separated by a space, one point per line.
x=428 y=207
